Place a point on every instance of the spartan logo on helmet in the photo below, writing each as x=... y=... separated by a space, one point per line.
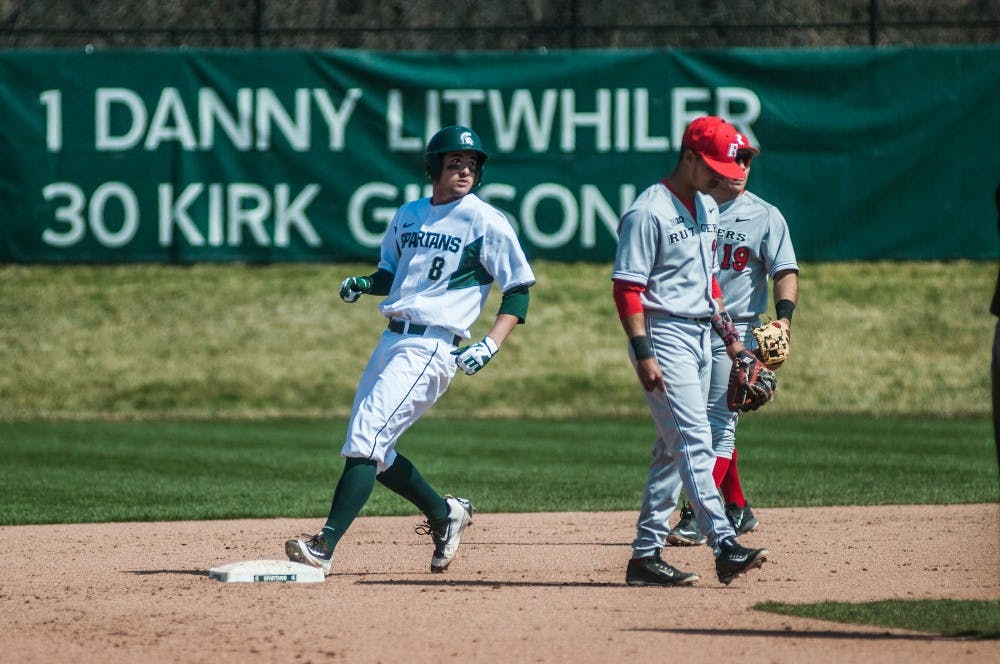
x=452 y=139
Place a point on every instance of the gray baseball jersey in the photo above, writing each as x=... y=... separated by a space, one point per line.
x=654 y=250
x=445 y=258
x=754 y=244
x=661 y=247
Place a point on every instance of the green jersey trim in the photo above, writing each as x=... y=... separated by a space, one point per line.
x=470 y=272
x=515 y=302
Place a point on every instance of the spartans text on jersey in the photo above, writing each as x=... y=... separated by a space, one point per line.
x=427 y=240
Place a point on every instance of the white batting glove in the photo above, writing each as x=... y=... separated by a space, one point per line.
x=352 y=288
x=472 y=359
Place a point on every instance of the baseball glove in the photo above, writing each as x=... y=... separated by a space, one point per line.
x=772 y=343
x=751 y=384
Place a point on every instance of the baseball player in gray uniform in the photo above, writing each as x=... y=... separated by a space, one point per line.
x=439 y=259
x=669 y=304
x=754 y=246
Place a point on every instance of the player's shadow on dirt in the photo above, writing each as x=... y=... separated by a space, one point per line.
x=150 y=572
x=803 y=634
x=483 y=583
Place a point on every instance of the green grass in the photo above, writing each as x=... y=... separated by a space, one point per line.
x=233 y=341
x=979 y=619
x=67 y=472
x=152 y=392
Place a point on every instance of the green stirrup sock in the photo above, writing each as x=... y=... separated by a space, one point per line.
x=403 y=478
x=352 y=492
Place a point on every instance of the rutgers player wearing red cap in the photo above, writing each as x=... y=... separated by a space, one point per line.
x=754 y=247
x=669 y=303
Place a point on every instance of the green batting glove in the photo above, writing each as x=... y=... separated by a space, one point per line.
x=353 y=287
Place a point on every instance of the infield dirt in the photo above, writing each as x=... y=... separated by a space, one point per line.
x=524 y=588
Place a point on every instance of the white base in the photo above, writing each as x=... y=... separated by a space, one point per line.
x=280 y=571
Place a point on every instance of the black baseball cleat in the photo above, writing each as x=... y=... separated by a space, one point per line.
x=734 y=560
x=686 y=532
x=741 y=518
x=652 y=571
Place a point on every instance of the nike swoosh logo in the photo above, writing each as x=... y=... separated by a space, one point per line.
x=411 y=223
x=738 y=220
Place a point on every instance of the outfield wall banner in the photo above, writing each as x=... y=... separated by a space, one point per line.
x=261 y=156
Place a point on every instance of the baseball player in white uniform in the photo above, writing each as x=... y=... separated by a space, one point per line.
x=669 y=303
x=754 y=246
x=439 y=259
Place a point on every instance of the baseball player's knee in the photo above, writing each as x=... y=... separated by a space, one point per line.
x=351 y=461
x=723 y=445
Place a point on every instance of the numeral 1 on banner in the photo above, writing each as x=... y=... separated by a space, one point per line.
x=52 y=100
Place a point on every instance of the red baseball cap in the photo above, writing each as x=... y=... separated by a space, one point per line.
x=717 y=142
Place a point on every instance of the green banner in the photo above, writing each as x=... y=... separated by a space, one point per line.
x=266 y=156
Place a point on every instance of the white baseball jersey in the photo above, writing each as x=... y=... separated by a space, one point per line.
x=661 y=247
x=445 y=258
x=754 y=244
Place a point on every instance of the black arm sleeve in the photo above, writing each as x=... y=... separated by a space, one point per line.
x=381 y=282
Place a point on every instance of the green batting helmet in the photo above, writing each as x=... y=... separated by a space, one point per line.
x=453 y=139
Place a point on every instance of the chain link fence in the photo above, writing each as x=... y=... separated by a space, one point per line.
x=390 y=25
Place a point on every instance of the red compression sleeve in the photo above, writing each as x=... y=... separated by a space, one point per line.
x=722 y=465
x=731 y=487
x=627 y=297
x=716 y=289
